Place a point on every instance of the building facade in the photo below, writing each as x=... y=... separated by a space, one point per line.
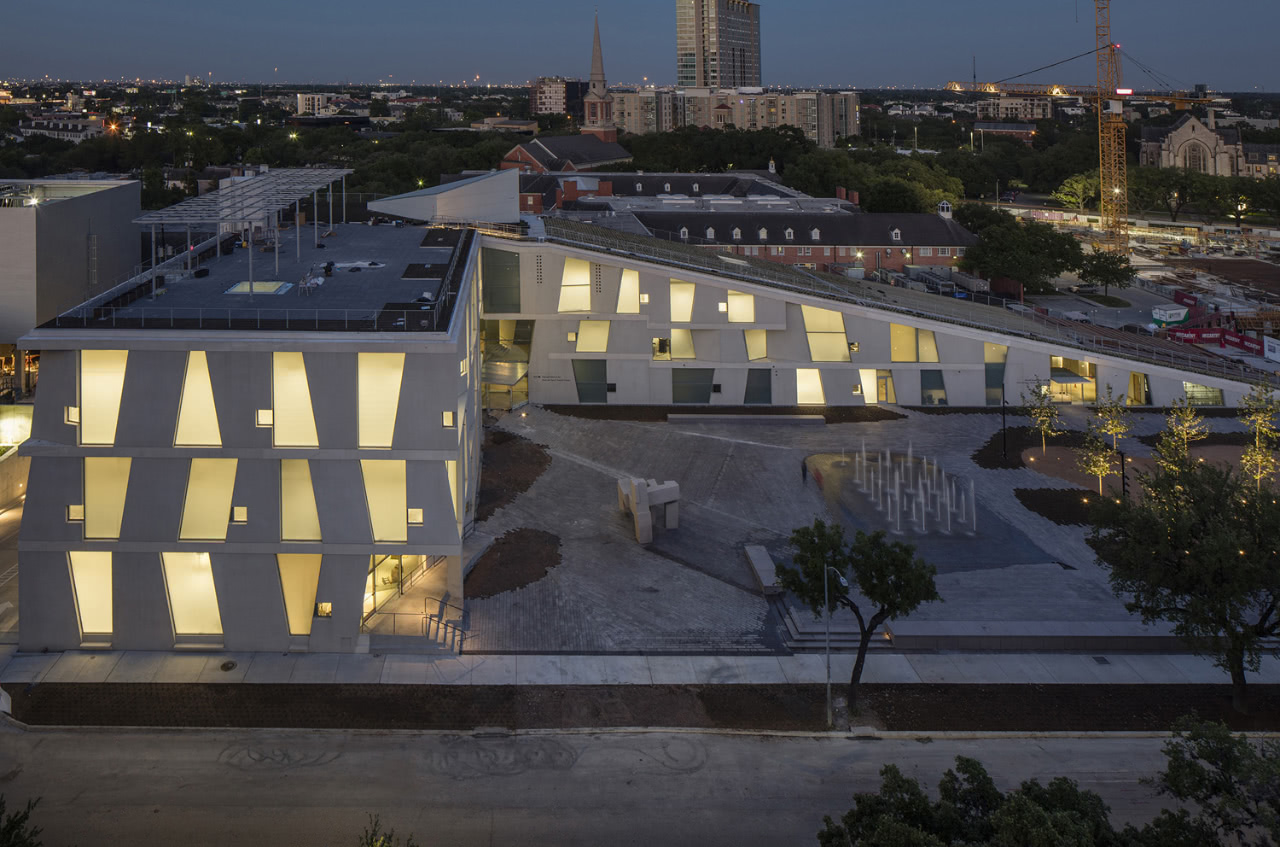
x=717 y=44
x=557 y=95
x=1208 y=149
x=1015 y=108
x=597 y=105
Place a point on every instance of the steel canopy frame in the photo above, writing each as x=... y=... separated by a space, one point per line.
x=255 y=199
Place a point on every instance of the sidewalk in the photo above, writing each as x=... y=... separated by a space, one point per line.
x=480 y=670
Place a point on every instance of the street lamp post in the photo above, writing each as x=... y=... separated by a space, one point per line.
x=826 y=604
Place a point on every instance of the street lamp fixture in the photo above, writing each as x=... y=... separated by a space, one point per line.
x=826 y=604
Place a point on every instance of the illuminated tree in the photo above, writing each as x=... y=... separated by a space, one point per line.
x=1039 y=406
x=1258 y=411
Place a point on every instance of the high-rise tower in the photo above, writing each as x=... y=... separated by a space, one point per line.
x=717 y=44
x=598 y=102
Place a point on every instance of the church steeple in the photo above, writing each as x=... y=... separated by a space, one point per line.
x=597 y=62
x=598 y=102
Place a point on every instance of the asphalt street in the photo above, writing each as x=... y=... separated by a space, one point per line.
x=295 y=787
x=10 y=520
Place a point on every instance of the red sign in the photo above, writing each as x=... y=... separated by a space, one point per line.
x=1243 y=342
x=1182 y=298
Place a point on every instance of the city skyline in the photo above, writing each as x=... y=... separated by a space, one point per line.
x=858 y=48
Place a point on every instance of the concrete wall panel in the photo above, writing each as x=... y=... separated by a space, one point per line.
x=250 y=601
x=142 y=620
x=342 y=581
x=151 y=397
x=49 y=619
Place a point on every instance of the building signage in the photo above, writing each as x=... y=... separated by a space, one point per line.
x=1182 y=298
x=1271 y=348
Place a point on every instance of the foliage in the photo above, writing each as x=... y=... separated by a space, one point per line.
x=1168 y=189
x=375 y=836
x=16 y=829
x=1113 y=417
x=1031 y=253
x=1095 y=458
x=890 y=580
x=1080 y=190
x=979 y=217
x=695 y=150
x=1107 y=269
x=1039 y=406
x=1198 y=550
x=1259 y=411
x=1183 y=426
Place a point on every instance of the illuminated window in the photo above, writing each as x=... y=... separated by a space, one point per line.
x=299 y=578
x=265 y=417
x=742 y=308
x=825 y=330
x=809 y=387
x=197 y=414
x=629 y=293
x=91 y=583
x=682 y=344
x=644 y=299
x=724 y=307
x=299 y=519
x=293 y=423
x=662 y=349
x=208 y=502
x=928 y=346
x=573 y=338
x=415 y=517
x=757 y=344
x=106 y=481
x=994 y=356
x=239 y=514
x=75 y=512
x=681 y=301
x=385 y=495
x=380 y=375
x=451 y=469
x=593 y=336
x=575 y=287
x=446 y=420
x=193 y=599
x=71 y=415
x=902 y=342
x=101 y=386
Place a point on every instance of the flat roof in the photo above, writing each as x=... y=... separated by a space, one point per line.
x=251 y=199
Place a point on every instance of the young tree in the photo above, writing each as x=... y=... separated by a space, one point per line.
x=16 y=829
x=1114 y=418
x=375 y=836
x=1107 y=270
x=1039 y=406
x=1259 y=411
x=1095 y=458
x=1198 y=550
x=890 y=580
x=1183 y=425
x=1079 y=191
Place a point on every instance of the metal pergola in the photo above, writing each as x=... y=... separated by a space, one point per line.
x=253 y=201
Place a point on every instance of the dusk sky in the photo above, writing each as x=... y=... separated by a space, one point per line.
x=806 y=42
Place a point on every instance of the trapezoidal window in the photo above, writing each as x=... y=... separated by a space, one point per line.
x=299 y=519
x=682 y=344
x=825 y=330
x=902 y=343
x=193 y=599
x=809 y=387
x=629 y=293
x=742 y=308
x=207 y=508
x=91 y=584
x=101 y=387
x=593 y=337
x=380 y=375
x=197 y=413
x=387 y=498
x=757 y=344
x=682 y=301
x=293 y=422
x=299 y=578
x=106 y=482
x=575 y=286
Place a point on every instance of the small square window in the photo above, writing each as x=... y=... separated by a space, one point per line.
x=324 y=610
x=724 y=307
x=446 y=419
x=854 y=346
x=644 y=299
x=415 y=517
x=71 y=415
x=857 y=390
x=76 y=512
x=573 y=337
x=239 y=514
x=611 y=388
x=715 y=388
x=266 y=417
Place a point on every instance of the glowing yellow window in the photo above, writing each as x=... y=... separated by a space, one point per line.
x=299 y=518
x=869 y=385
x=380 y=375
x=682 y=294
x=197 y=413
x=928 y=346
x=629 y=293
x=451 y=468
x=826 y=335
x=101 y=386
x=106 y=483
x=207 y=508
x=193 y=599
x=91 y=582
x=809 y=387
x=757 y=344
x=575 y=286
x=299 y=578
x=742 y=308
x=902 y=343
x=386 y=497
x=593 y=336
x=682 y=344
x=293 y=422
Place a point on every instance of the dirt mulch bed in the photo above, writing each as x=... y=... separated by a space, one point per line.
x=509 y=466
x=520 y=557
x=1063 y=708
x=1021 y=438
x=1064 y=506
x=1212 y=439
x=955 y=410
x=658 y=414
x=918 y=707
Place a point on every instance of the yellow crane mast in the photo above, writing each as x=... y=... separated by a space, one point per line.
x=1113 y=161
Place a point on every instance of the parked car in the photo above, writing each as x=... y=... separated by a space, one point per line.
x=1083 y=289
x=1136 y=329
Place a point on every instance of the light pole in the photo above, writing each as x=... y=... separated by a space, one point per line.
x=826 y=604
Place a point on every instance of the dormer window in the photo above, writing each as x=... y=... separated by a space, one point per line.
x=695 y=188
x=790 y=234
x=666 y=187
x=711 y=233
x=816 y=235
x=944 y=207
x=684 y=233
x=895 y=234
x=737 y=234
x=639 y=188
x=764 y=234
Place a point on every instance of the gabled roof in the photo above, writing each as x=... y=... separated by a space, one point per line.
x=1160 y=133
x=858 y=230
x=579 y=150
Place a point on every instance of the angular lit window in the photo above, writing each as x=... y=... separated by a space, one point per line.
x=867 y=386
x=101 y=386
x=387 y=499
x=825 y=331
x=575 y=287
x=451 y=468
x=994 y=356
x=91 y=582
x=197 y=413
x=293 y=422
x=757 y=344
x=106 y=482
x=299 y=578
x=742 y=308
x=902 y=343
x=193 y=599
x=928 y=346
x=629 y=293
x=299 y=518
x=380 y=375
x=809 y=387
x=682 y=301
x=593 y=336
x=207 y=508
x=682 y=344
